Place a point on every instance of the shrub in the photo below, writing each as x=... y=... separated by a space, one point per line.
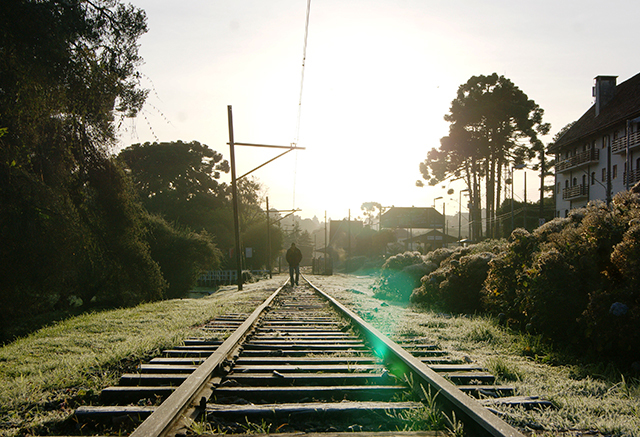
x=456 y=286
x=575 y=280
x=402 y=260
x=506 y=278
x=400 y=274
x=182 y=255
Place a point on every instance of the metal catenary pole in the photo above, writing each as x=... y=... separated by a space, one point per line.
x=234 y=183
x=234 y=192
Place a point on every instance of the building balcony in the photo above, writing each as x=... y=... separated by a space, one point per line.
x=582 y=158
x=634 y=177
x=619 y=145
x=575 y=192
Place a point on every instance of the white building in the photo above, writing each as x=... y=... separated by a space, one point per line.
x=593 y=156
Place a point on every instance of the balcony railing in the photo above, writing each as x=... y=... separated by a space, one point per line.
x=575 y=192
x=634 y=176
x=579 y=159
x=619 y=145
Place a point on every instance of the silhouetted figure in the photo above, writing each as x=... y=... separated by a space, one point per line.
x=294 y=256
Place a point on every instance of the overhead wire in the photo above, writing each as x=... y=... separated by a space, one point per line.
x=297 y=134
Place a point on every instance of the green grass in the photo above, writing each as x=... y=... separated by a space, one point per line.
x=45 y=375
x=588 y=397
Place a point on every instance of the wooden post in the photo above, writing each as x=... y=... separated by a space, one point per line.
x=234 y=192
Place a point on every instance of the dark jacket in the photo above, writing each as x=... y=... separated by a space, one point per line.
x=294 y=256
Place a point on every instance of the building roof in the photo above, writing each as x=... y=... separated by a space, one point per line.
x=429 y=237
x=624 y=105
x=412 y=217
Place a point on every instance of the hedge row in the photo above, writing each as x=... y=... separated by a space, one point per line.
x=574 y=280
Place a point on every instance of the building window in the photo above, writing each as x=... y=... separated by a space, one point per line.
x=638 y=164
x=575 y=182
x=605 y=141
x=558 y=189
x=584 y=179
x=614 y=172
x=604 y=174
x=566 y=183
x=593 y=177
x=566 y=213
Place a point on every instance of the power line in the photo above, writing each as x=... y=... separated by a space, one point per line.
x=304 y=61
x=297 y=135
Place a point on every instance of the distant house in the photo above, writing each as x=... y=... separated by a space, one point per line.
x=412 y=218
x=431 y=240
x=407 y=220
x=600 y=154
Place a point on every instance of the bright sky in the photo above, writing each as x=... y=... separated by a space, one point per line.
x=380 y=75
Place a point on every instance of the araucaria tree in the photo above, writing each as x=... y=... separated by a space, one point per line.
x=493 y=125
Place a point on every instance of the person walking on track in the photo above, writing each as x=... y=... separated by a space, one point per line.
x=294 y=256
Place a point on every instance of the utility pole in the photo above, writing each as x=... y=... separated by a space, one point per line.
x=234 y=192
x=349 y=244
x=268 y=242
x=234 y=185
x=326 y=243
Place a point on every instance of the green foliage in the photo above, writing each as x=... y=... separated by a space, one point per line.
x=177 y=179
x=181 y=254
x=456 y=286
x=179 y=182
x=67 y=69
x=71 y=229
x=575 y=280
x=400 y=274
x=64 y=248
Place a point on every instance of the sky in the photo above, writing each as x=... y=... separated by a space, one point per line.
x=379 y=77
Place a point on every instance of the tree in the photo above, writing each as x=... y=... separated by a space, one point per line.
x=68 y=69
x=371 y=210
x=490 y=121
x=181 y=254
x=70 y=226
x=178 y=180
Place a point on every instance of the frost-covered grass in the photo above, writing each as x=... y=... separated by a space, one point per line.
x=45 y=375
x=595 y=398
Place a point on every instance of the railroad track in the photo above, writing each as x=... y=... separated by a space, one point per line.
x=300 y=362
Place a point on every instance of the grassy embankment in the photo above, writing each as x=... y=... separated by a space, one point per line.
x=589 y=397
x=45 y=375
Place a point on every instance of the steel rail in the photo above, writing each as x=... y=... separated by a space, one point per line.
x=172 y=409
x=470 y=411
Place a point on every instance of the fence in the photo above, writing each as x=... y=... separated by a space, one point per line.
x=213 y=278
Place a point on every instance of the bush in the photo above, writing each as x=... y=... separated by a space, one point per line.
x=182 y=255
x=456 y=286
x=575 y=280
x=400 y=274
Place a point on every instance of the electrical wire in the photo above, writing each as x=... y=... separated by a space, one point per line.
x=304 y=61
x=297 y=135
